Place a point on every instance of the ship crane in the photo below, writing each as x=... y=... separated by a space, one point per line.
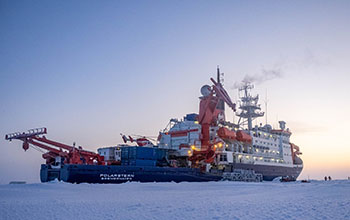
x=68 y=154
x=211 y=113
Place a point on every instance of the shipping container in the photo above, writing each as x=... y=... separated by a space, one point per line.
x=145 y=153
x=138 y=162
x=161 y=154
x=191 y=117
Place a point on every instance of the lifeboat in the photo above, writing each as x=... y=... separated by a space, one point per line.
x=295 y=149
x=226 y=134
x=244 y=137
x=295 y=153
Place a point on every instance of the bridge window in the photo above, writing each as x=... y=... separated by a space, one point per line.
x=223 y=157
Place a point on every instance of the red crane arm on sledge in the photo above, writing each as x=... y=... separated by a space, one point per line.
x=64 y=146
x=43 y=146
x=72 y=154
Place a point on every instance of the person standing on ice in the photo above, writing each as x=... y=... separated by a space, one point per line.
x=325 y=178
x=329 y=178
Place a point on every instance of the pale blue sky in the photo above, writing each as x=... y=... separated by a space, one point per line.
x=88 y=70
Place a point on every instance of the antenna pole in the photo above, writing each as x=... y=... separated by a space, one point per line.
x=266 y=100
x=250 y=109
x=218 y=73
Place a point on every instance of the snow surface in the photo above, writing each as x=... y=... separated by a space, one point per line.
x=211 y=200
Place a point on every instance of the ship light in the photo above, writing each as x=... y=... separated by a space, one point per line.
x=220 y=144
x=193 y=147
x=257 y=150
x=273 y=159
x=196 y=122
x=239 y=156
x=189 y=152
x=226 y=145
x=261 y=158
x=247 y=157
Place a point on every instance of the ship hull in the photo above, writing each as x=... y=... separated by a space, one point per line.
x=271 y=172
x=121 y=174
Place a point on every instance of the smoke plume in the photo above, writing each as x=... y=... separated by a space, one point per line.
x=265 y=75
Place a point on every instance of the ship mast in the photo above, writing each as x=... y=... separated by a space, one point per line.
x=266 y=100
x=218 y=74
x=250 y=109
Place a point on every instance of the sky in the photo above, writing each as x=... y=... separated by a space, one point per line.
x=90 y=70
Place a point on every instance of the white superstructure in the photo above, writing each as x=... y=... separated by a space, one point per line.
x=261 y=148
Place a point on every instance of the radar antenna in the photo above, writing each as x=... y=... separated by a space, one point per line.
x=250 y=109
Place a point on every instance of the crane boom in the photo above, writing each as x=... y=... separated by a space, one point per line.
x=221 y=92
x=211 y=111
x=70 y=154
